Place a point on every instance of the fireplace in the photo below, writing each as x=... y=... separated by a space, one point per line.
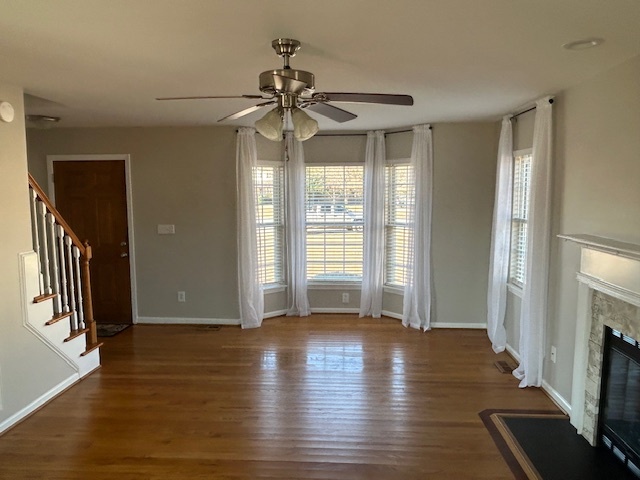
x=608 y=319
x=619 y=419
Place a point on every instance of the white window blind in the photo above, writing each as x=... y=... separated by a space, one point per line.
x=520 y=216
x=399 y=203
x=268 y=183
x=334 y=222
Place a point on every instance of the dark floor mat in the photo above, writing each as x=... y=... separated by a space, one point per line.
x=544 y=445
x=110 y=329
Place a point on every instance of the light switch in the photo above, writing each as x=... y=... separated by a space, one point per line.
x=166 y=229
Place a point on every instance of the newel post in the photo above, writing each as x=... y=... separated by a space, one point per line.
x=92 y=335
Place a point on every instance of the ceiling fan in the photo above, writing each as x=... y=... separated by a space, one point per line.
x=292 y=90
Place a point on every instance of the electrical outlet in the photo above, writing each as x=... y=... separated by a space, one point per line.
x=553 y=354
x=182 y=297
x=345 y=298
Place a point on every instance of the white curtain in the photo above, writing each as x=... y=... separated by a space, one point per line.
x=373 y=268
x=250 y=291
x=295 y=227
x=500 y=240
x=534 y=300
x=416 y=310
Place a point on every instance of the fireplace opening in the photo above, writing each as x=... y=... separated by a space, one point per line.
x=619 y=419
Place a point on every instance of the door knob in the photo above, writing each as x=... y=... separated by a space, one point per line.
x=123 y=244
x=124 y=254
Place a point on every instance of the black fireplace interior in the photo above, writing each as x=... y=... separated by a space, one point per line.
x=619 y=419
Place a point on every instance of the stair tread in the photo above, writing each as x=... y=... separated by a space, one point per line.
x=44 y=297
x=58 y=316
x=76 y=333
x=91 y=348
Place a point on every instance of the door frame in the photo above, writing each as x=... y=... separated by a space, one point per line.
x=129 y=199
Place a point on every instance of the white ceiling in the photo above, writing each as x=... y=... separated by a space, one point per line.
x=102 y=62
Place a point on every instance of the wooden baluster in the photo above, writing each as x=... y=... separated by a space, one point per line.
x=72 y=291
x=92 y=335
x=44 y=249
x=55 y=273
x=34 y=231
x=63 y=271
x=76 y=264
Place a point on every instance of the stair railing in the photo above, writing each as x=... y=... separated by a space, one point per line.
x=64 y=267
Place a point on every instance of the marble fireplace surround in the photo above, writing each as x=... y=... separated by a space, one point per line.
x=608 y=295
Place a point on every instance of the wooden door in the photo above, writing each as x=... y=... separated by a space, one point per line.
x=91 y=196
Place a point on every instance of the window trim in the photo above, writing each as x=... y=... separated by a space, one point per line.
x=395 y=161
x=281 y=285
x=517 y=290
x=392 y=287
x=334 y=284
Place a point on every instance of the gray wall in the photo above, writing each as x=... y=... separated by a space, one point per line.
x=464 y=176
x=180 y=176
x=186 y=176
x=464 y=182
x=463 y=189
x=28 y=368
x=596 y=191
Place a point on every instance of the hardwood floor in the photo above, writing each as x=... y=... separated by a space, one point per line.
x=325 y=397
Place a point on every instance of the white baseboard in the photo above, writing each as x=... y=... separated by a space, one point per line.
x=38 y=402
x=233 y=321
x=398 y=316
x=276 y=313
x=558 y=399
x=512 y=351
x=553 y=394
x=335 y=310
x=471 y=326
x=187 y=321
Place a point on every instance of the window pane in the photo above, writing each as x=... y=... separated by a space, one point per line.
x=268 y=183
x=334 y=208
x=399 y=205
x=520 y=217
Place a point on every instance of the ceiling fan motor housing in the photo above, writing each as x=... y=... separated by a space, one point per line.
x=267 y=83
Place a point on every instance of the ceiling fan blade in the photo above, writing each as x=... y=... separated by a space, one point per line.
x=288 y=85
x=246 y=111
x=334 y=113
x=255 y=97
x=388 y=99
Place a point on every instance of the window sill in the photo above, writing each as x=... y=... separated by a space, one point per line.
x=334 y=286
x=517 y=291
x=396 y=290
x=273 y=288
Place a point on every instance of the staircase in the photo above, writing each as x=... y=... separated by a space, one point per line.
x=57 y=286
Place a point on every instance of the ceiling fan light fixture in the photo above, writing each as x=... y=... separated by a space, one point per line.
x=304 y=127
x=270 y=126
x=41 y=121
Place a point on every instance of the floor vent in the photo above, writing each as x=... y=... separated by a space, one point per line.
x=503 y=366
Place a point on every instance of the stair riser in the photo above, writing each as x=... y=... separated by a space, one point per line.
x=54 y=335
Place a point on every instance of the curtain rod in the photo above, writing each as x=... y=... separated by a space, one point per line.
x=360 y=134
x=528 y=110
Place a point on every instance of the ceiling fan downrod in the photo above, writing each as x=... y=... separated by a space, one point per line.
x=286 y=80
x=286 y=48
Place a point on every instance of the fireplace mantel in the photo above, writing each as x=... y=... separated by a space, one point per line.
x=609 y=245
x=613 y=268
